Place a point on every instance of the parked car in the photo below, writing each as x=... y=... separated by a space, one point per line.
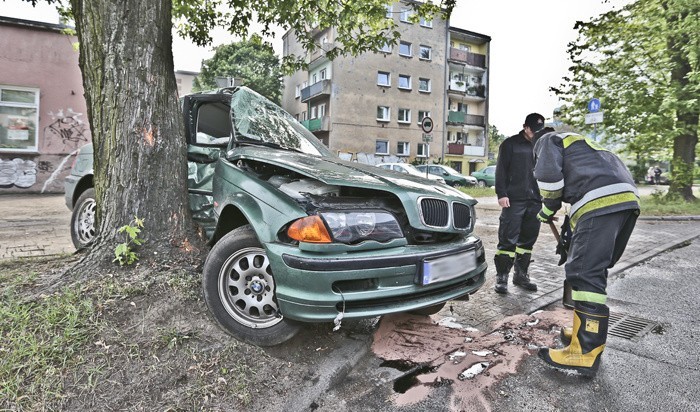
x=486 y=176
x=451 y=176
x=299 y=235
x=411 y=170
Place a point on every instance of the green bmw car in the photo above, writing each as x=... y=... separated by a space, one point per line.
x=299 y=235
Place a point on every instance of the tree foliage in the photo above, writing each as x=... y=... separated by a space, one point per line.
x=361 y=25
x=642 y=61
x=252 y=60
x=495 y=139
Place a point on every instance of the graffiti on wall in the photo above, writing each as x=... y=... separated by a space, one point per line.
x=67 y=128
x=18 y=173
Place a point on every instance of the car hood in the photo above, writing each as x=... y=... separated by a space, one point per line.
x=334 y=171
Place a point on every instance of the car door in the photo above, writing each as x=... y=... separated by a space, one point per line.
x=208 y=132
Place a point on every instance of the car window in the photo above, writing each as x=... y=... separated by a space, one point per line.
x=213 y=124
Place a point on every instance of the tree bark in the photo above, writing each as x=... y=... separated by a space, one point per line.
x=136 y=123
x=687 y=113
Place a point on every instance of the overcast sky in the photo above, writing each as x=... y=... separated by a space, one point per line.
x=528 y=47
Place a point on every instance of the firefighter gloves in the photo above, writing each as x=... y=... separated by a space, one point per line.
x=545 y=215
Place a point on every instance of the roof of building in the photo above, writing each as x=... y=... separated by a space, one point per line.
x=31 y=24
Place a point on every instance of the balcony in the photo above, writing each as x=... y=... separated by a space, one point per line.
x=468 y=89
x=465 y=149
x=317 y=125
x=465 y=119
x=469 y=58
x=322 y=88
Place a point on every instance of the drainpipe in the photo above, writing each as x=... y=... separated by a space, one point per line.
x=447 y=84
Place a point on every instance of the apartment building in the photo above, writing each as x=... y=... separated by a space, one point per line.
x=369 y=108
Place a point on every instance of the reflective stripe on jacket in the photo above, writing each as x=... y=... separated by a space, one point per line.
x=573 y=169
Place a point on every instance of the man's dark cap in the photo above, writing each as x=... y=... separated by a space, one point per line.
x=534 y=121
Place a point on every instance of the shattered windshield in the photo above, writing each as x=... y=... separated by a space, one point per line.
x=259 y=121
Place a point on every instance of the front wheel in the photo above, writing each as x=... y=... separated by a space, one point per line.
x=82 y=222
x=481 y=183
x=239 y=290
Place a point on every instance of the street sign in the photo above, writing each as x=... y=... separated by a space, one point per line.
x=427 y=138
x=594 y=105
x=427 y=124
x=593 y=118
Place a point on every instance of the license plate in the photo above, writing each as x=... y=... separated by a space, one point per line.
x=446 y=268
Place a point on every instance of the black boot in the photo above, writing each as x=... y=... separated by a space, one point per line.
x=503 y=264
x=588 y=337
x=520 y=276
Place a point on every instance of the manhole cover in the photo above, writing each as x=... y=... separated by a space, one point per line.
x=629 y=327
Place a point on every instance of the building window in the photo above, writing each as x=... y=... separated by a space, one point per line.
x=403 y=148
x=19 y=117
x=404 y=82
x=426 y=23
x=383 y=113
x=424 y=85
x=426 y=53
x=389 y=12
x=423 y=150
x=297 y=91
x=322 y=74
x=383 y=79
x=314 y=78
x=386 y=47
x=422 y=114
x=381 y=147
x=321 y=110
x=303 y=116
x=405 y=49
x=312 y=113
x=404 y=115
x=406 y=15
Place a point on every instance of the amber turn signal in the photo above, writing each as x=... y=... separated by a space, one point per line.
x=309 y=229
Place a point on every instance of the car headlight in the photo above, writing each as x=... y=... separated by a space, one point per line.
x=346 y=227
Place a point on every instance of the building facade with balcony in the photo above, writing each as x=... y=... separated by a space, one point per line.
x=369 y=108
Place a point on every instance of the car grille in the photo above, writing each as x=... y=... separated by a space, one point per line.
x=436 y=213
x=462 y=215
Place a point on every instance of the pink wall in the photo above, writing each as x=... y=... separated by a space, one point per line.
x=37 y=55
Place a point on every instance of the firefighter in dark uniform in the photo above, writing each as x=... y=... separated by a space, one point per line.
x=604 y=208
x=519 y=199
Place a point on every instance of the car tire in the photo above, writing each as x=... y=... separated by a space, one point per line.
x=428 y=310
x=481 y=183
x=82 y=222
x=239 y=290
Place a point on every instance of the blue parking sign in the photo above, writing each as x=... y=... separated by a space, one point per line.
x=593 y=105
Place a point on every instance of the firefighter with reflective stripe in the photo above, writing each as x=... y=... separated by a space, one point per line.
x=520 y=201
x=604 y=208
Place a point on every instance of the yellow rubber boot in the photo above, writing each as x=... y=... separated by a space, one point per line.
x=589 y=334
x=565 y=335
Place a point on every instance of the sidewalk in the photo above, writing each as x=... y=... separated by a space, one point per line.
x=34 y=225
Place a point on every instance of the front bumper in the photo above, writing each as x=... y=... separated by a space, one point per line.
x=313 y=287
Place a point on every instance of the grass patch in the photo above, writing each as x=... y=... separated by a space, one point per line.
x=477 y=191
x=40 y=341
x=658 y=205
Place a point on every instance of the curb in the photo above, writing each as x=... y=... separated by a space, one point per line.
x=336 y=366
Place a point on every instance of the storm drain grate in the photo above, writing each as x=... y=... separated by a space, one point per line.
x=629 y=327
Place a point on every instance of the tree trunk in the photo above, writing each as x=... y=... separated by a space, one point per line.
x=137 y=127
x=687 y=114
